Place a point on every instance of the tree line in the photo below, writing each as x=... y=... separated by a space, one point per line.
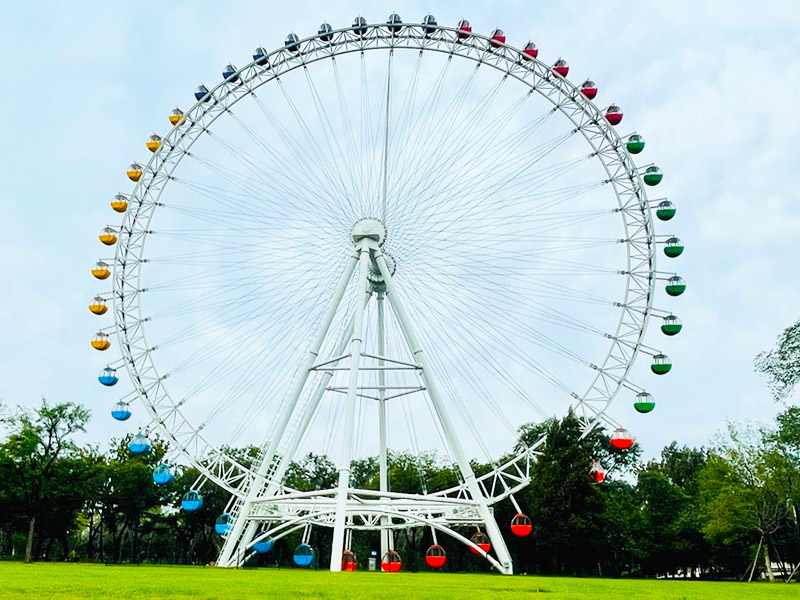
x=727 y=511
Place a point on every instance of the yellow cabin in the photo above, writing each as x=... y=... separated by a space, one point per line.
x=108 y=236
x=135 y=172
x=98 y=305
x=101 y=270
x=153 y=143
x=119 y=203
x=176 y=117
x=101 y=341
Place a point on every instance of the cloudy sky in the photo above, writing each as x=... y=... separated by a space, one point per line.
x=712 y=85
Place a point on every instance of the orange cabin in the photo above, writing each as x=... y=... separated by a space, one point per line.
x=120 y=203
x=108 y=236
x=98 y=305
x=176 y=117
x=153 y=143
x=100 y=270
x=101 y=341
x=135 y=171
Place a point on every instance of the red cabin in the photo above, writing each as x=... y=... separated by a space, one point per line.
x=464 y=29
x=521 y=525
x=391 y=563
x=349 y=562
x=621 y=439
x=597 y=472
x=435 y=557
x=589 y=89
x=530 y=51
x=481 y=541
x=498 y=38
x=614 y=114
x=561 y=68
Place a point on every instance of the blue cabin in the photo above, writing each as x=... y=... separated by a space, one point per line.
x=229 y=73
x=360 y=25
x=303 y=555
x=394 y=22
x=429 y=23
x=224 y=524
x=162 y=475
x=263 y=546
x=293 y=42
x=108 y=376
x=260 y=56
x=202 y=94
x=191 y=501
x=121 y=412
x=139 y=444
x=325 y=32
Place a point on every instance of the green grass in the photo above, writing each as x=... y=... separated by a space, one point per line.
x=45 y=581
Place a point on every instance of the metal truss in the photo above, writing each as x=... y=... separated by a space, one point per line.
x=259 y=490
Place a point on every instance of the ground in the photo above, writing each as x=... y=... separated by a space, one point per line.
x=45 y=581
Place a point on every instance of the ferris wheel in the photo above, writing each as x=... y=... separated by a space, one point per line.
x=384 y=236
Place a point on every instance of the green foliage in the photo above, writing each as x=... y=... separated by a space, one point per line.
x=781 y=365
x=40 y=464
x=692 y=511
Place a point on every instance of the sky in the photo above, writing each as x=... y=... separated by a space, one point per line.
x=711 y=85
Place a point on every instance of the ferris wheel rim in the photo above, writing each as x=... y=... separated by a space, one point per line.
x=378 y=37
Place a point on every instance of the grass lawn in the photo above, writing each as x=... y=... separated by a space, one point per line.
x=44 y=581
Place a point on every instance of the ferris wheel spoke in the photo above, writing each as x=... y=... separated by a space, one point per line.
x=347 y=129
x=426 y=162
x=481 y=298
x=475 y=139
x=244 y=202
x=431 y=124
x=471 y=199
x=308 y=154
x=260 y=177
x=484 y=142
x=253 y=189
x=506 y=300
x=344 y=173
x=424 y=124
x=497 y=231
x=469 y=343
x=291 y=180
x=406 y=121
x=254 y=322
x=474 y=197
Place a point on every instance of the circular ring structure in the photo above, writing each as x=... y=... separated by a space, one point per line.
x=624 y=341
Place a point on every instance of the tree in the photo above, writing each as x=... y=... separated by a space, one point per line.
x=741 y=492
x=565 y=505
x=781 y=365
x=126 y=493
x=31 y=455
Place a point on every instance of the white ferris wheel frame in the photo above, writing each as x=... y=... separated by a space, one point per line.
x=295 y=509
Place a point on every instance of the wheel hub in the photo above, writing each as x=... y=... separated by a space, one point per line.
x=368 y=228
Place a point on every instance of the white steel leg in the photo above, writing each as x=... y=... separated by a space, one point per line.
x=337 y=547
x=232 y=540
x=275 y=479
x=444 y=418
x=383 y=471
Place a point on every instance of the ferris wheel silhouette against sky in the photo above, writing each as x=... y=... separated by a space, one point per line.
x=385 y=235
